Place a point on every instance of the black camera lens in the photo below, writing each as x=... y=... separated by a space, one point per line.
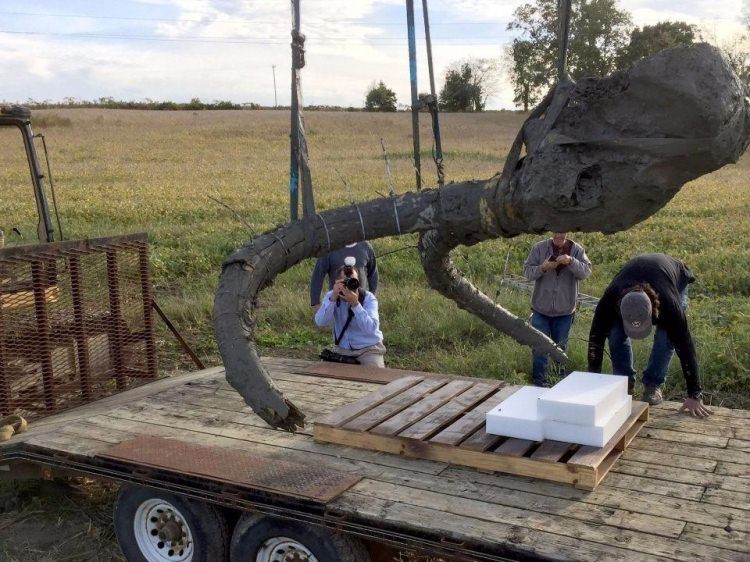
x=351 y=283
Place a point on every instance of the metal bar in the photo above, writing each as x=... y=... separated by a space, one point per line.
x=61 y=248
x=414 y=93
x=115 y=319
x=435 y=120
x=185 y=347
x=4 y=382
x=84 y=365
x=294 y=146
x=52 y=186
x=40 y=311
x=45 y=232
x=564 y=10
x=148 y=316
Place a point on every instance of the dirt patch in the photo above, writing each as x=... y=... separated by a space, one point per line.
x=57 y=521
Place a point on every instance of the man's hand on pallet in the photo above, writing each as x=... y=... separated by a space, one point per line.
x=696 y=407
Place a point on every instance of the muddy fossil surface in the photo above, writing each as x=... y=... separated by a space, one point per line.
x=595 y=155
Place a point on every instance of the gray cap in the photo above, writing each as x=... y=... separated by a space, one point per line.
x=635 y=309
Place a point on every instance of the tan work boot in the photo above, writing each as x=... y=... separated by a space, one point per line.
x=652 y=394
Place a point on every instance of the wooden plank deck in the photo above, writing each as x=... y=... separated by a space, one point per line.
x=403 y=417
x=681 y=491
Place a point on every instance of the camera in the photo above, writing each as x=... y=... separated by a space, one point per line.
x=351 y=283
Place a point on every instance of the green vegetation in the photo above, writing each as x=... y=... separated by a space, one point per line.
x=127 y=171
x=599 y=31
x=654 y=38
x=380 y=98
x=468 y=84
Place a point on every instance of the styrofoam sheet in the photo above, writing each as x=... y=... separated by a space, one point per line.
x=584 y=398
x=594 y=435
x=517 y=416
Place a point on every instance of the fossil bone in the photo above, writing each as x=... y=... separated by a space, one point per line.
x=600 y=155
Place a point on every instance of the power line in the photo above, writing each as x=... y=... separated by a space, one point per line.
x=384 y=41
x=236 y=19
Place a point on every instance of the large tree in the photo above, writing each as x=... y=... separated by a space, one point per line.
x=468 y=84
x=529 y=72
x=738 y=53
x=598 y=32
x=654 y=38
x=380 y=98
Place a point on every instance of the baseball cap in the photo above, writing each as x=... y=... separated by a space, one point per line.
x=635 y=309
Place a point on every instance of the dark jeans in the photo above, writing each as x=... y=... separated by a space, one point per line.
x=557 y=329
x=621 y=352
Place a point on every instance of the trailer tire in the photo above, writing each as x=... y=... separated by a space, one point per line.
x=152 y=526
x=255 y=536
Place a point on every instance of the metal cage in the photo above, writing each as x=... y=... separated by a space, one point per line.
x=76 y=323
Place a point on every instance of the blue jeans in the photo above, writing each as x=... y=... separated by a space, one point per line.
x=557 y=329
x=621 y=352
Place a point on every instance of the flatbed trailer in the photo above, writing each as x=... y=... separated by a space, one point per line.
x=680 y=491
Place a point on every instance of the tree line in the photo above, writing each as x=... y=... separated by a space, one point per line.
x=111 y=103
x=602 y=40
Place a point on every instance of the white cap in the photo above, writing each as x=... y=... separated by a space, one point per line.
x=351 y=261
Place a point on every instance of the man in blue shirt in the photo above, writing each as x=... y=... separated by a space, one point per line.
x=353 y=315
x=328 y=264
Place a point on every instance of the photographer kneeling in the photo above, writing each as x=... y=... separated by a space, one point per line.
x=353 y=312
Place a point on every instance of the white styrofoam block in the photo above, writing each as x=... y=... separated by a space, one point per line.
x=594 y=435
x=517 y=416
x=584 y=398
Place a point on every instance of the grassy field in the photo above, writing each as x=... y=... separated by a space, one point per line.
x=127 y=171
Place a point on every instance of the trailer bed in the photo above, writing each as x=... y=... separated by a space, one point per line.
x=680 y=491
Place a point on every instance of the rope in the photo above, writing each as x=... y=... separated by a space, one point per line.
x=391 y=191
x=361 y=222
x=325 y=226
x=437 y=151
x=286 y=251
x=395 y=214
x=353 y=202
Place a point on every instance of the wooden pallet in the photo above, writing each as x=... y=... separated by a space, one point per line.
x=443 y=419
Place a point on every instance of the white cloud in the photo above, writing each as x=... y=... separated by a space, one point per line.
x=349 y=45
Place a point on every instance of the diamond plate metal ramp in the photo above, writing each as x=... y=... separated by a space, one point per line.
x=317 y=483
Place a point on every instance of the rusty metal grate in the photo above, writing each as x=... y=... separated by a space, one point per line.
x=240 y=468
x=76 y=323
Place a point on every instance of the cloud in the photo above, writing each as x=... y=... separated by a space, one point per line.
x=350 y=44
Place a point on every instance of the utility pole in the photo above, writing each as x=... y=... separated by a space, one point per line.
x=275 y=98
x=414 y=94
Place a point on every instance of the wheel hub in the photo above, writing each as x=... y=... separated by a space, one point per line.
x=169 y=529
x=162 y=533
x=284 y=549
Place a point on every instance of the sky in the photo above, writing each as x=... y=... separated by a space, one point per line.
x=226 y=49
